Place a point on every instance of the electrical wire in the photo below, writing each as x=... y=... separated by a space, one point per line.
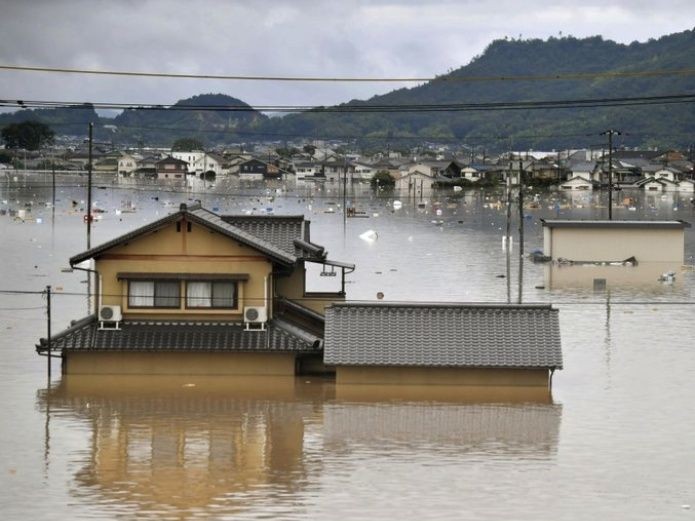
x=370 y=108
x=564 y=76
x=299 y=299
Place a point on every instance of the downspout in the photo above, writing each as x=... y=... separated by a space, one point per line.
x=97 y=300
x=97 y=278
x=267 y=310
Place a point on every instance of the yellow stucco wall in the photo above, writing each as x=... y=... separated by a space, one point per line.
x=197 y=251
x=292 y=287
x=601 y=244
x=441 y=376
x=176 y=363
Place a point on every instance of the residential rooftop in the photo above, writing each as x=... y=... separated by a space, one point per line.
x=442 y=335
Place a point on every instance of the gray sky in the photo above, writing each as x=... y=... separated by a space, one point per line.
x=398 y=38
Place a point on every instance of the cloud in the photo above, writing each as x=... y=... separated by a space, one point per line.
x=298 y=38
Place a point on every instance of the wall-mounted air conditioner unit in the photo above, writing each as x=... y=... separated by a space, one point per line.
x=110 y=317
x=255 y=317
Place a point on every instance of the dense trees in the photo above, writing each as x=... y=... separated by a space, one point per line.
x=29 y=135
x=187 y=144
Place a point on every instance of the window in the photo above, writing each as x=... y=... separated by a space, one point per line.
x=211 y=294
x=154 y=294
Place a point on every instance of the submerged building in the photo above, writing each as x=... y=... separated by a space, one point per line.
x=198 y=293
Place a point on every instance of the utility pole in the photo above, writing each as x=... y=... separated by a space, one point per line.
x=53 y=188
x=89 y=189
x=521 y=228
x=345 y=169
x=610 y=133
x=508 y=233
x=48 y=315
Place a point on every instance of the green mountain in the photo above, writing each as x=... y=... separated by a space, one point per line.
x=184 y=120
x=666 y=124
x=661 y=124
x=72 y=120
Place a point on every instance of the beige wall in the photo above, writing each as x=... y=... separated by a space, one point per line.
x=173 y=363
x=600 y=244
x=292 y=287
x=441 y=376
x=645 y=275
x=197 y=251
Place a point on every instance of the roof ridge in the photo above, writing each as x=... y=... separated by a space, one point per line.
x=426 y=304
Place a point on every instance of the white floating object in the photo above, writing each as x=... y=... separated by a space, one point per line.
x=458 y=188
x=397 y=205
x=369 y=236
x=439 y=211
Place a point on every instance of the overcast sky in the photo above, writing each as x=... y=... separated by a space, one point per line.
x=396 y=38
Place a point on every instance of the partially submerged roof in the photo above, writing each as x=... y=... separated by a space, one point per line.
x=244 y=233
x=442 y=335
x=579 y=223
x=279 y=335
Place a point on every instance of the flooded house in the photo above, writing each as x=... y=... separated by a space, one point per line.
x=502 y=345
x=612 y=241
x=602 y=254
x=171 y=168
x=199 y=293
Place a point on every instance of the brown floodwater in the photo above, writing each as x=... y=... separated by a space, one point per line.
x=614 y=440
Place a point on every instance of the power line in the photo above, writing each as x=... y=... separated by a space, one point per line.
x=365 y=108
x=557 y=303
x=363 y=79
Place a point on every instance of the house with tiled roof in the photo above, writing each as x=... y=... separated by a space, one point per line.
x=442 y=343
x=199 y=293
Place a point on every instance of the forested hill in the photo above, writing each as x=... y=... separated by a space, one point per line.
x=664 y=125
x=184 y=120
x=669 y=124
x=187 y=118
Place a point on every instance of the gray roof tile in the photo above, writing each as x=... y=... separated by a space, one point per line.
x=182 y=336
x=442 y=335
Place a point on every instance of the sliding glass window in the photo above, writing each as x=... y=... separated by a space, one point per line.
x=211 y=294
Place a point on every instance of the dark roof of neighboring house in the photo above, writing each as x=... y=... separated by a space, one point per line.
x=442 y=335
x=203 y=217
x=172 y=160
x=579 y=223
x=182 y=336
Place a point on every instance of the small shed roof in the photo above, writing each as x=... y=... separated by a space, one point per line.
x=442 y=335
x=579 y=223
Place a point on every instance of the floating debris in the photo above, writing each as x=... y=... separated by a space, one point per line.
x=369 y=236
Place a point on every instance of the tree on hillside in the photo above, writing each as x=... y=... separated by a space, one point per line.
x=29 y=135
x=187 y=144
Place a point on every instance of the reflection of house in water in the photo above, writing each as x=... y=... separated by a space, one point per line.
x=601 y=254
x=159 y=444
x=531 y=428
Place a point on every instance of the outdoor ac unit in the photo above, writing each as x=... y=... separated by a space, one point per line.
x=256 y=315
x=110 y=317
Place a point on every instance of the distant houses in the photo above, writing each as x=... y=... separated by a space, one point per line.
x=171 y=168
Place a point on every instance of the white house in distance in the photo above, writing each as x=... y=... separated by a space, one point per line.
x=686 y=185
x=414 y=180
x=128 y=163
x=304 y=169
x=579 y=183
x=364 y=171
x=200 y=161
